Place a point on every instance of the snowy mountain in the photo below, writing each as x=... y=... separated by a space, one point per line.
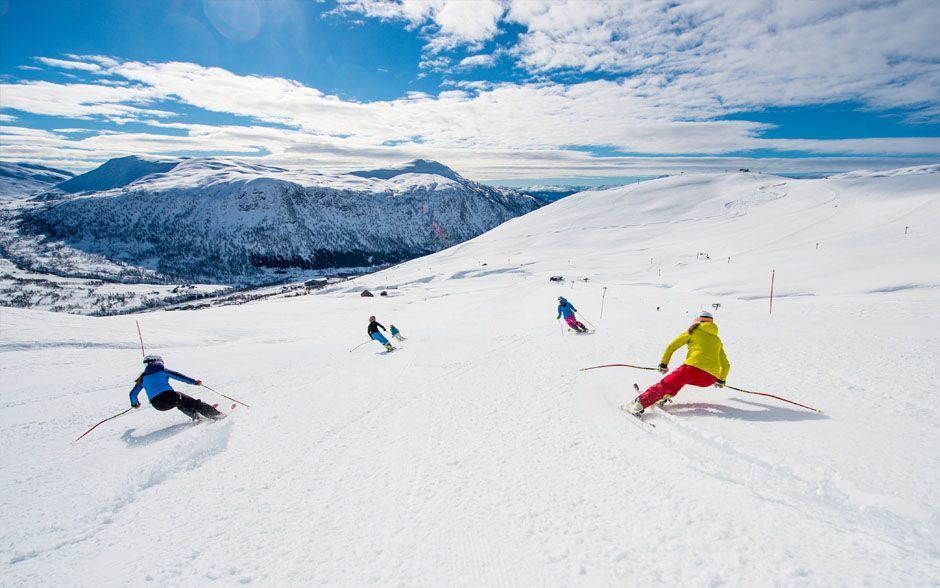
x=116 y=173
x=479 y=454
x=18 y=180
x=224 y=221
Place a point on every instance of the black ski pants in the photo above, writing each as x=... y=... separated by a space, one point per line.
x=191 y=407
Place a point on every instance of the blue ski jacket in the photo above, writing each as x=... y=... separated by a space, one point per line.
x=155 y=380
x=566 y=309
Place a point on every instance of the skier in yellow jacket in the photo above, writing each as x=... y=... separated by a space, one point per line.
x=705 y=364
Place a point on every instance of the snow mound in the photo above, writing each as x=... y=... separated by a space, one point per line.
x=116 y=173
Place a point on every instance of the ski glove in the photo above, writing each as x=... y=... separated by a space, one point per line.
x=198 y=382
x=663 y=368
x=719 y=383
x=135 y=405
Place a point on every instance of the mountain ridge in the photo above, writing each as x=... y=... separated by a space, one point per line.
x=216 y=220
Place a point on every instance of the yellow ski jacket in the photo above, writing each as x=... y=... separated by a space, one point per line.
x=705 y=350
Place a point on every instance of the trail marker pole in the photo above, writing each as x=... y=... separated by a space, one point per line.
x=772 y=274
x=142 y=354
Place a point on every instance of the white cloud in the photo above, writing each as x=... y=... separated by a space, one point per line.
x=480 y=60
x=743 y=55
x=482 y=129
x=63 y=64
x=450 y=24
x=81 y=100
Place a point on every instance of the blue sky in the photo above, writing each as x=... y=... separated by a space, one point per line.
x=515 y=90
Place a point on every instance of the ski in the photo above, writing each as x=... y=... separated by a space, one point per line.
x=638 y=419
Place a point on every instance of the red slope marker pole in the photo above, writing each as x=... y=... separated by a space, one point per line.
x=141 y=340
x=772 y=274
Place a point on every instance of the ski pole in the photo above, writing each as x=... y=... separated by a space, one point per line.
x=224 y=396
x=360 y=345
x=587 y=321
x=638 y=367
x=772 y=396
x=104 y=421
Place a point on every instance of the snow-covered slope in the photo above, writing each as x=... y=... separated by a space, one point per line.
x=18 y=180
x=723 y=235
x=479 y=454
x=216 y=220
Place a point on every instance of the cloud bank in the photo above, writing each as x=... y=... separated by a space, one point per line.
x=650 y=82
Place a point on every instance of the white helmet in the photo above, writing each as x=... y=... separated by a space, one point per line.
x=153 y=359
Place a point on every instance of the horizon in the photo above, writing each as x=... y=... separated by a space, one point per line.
x=508 y=93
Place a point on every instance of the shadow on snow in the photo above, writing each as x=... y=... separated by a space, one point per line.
x=133 y=440
x=768 y=413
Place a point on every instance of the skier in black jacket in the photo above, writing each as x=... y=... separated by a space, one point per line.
x=374 y=333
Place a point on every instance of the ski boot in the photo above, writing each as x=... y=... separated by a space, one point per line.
x=388 y=347
x=635 y=408
x=667 y=399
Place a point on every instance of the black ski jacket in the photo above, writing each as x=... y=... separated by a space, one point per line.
x=374 y=327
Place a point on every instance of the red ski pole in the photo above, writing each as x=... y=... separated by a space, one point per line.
x=104 y=421
x=224 y=396
x=772 y=396
x=638 y=367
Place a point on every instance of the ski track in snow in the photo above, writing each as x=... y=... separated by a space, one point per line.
x=479 y=454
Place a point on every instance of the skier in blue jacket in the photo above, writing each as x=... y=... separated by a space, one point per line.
x=567 y=310
x=156 y=381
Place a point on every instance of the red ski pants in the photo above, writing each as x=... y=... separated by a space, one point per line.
x=674 y=381
x=574 y=323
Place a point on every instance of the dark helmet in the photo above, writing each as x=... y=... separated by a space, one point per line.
x=153 y=359
x=372 y=319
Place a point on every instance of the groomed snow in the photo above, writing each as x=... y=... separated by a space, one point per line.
x=479 y=454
